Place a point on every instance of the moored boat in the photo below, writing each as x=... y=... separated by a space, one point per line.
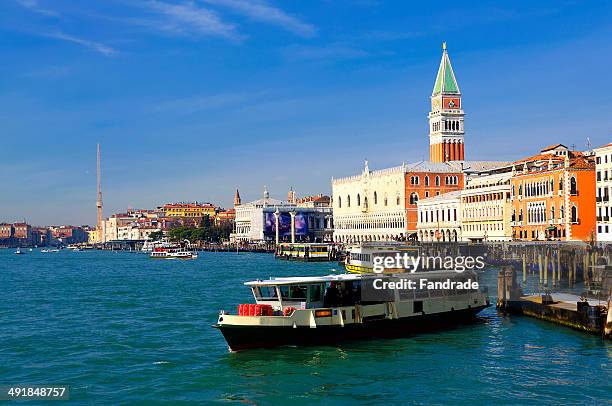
x=334 y=308
x=307 y=252
x=360 y=258
x=162 y=253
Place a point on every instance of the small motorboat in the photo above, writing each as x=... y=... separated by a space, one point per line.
x=19 y=252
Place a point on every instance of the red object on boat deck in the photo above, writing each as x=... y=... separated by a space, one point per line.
x=266 y=310
x=288 y=310
x=250 y=309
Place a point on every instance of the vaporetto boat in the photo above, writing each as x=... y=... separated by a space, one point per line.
x=331 y=309
x=360 y=257
x=173 y=254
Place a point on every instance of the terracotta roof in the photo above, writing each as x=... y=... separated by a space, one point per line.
x=604 y=146
x=553 y=147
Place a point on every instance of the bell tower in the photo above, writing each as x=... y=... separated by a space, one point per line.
x=446 y=115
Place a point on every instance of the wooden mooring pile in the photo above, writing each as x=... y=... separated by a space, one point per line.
x=570 y=284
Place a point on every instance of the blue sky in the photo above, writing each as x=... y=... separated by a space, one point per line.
x=191 y=99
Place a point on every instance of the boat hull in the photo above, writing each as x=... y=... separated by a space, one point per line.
x=241 y=337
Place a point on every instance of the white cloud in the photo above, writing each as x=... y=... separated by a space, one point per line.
x=188 y=18
x=96 y=46
x=35 y=6
x=259 y=11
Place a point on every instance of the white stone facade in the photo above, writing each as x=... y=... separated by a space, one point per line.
x=439 y=218
x=370 y=206
x=251 y=218
x=603 y=179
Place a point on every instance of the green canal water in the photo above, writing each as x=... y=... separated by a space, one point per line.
x=121 y=328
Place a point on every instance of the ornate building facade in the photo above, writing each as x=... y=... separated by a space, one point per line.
x=269 y=219
x=552 y=196
x=603 y=162
x=486 y=207
x=370 y=206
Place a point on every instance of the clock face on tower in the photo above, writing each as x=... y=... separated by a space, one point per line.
x=451 y=103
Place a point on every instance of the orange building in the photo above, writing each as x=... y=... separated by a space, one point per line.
x=226 y=215
x=553 y=196
x=428 y=179
x=23 y=231
x=189 y=210
x=6 y=231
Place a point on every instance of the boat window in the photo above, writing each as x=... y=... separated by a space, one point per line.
x=294 y=292
x=316 y=293
x=266 y=292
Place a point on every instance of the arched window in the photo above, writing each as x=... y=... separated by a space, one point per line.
x=375 y=198
x=437 y=181
x=348 y=201
x=414 y=198
x=358 y=200
x=574 y=214
x=339 y=201
x=397 y=200
x=562 y=212
x=385 y=200
x=365 y=202
x=513 y=215
x=560 y=183
x=552 y=213
x=573 y=189
x=520 y=215
x=426 y=180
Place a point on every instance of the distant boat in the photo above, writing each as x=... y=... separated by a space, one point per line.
x=49 y=250
x=19 y=252
x=162 y=253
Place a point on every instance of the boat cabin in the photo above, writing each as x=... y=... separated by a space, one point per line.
x=307 y=292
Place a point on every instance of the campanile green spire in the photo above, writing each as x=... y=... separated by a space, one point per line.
x=446 y=83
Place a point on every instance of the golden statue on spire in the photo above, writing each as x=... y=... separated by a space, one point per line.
x=444 y=45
